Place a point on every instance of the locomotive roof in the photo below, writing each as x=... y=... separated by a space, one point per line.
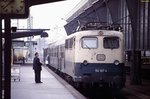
x=94 y=32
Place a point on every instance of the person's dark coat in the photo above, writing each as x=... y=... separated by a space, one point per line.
x=37 y=64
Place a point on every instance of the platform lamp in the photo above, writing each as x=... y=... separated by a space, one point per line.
x=44 y=34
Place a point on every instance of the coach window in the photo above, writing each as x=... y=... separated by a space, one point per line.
x=66 y=44
x=89 y=42
x=69 y=43
x=111 y=42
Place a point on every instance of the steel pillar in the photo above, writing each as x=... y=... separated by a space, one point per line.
x=133 y=8
x=135 y=70
x=1 y=64
x=7 y=60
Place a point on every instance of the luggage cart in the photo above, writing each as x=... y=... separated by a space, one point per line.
x=15 y=72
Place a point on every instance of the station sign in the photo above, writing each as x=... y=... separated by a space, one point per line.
x=14 y=9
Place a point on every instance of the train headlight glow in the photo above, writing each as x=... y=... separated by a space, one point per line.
x=85 y=62
x=100 y=57
x=116 y=62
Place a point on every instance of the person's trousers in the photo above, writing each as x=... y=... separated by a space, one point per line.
x=37 y=75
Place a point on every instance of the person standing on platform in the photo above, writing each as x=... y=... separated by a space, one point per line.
x=37 y=67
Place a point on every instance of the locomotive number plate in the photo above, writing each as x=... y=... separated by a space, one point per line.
x=101 y=70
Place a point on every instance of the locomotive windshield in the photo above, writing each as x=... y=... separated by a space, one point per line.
x=111 y=42
x=89 y=42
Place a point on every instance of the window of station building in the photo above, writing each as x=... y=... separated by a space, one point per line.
x=111 y=42
x=89 y=42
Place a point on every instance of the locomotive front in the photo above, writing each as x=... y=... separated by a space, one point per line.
x=99 y=58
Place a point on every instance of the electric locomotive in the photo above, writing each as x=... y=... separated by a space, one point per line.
x=90 y=56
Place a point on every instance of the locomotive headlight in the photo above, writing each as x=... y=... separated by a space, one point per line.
x=85 y=62
x=116 y=62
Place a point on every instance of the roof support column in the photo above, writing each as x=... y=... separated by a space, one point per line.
x=135 y=70
x=7 y=60
x=1 y=65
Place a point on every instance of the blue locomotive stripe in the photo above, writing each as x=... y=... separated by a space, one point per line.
x=99 y=68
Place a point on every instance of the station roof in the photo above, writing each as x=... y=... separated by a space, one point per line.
x=80 y=8
x=28 y=33
x=83 y=13
x=37 y=2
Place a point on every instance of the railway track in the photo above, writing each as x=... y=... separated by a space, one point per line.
x=113 y=94
x=98 y=92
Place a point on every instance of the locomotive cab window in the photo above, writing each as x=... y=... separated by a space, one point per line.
x=89 y=42
x=111 y=42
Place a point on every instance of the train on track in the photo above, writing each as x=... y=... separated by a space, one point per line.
x=90 y=56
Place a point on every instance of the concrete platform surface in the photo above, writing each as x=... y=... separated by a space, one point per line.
x=26 y=88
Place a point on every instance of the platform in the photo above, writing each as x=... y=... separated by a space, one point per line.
x=54 y=87
x=51 y=88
